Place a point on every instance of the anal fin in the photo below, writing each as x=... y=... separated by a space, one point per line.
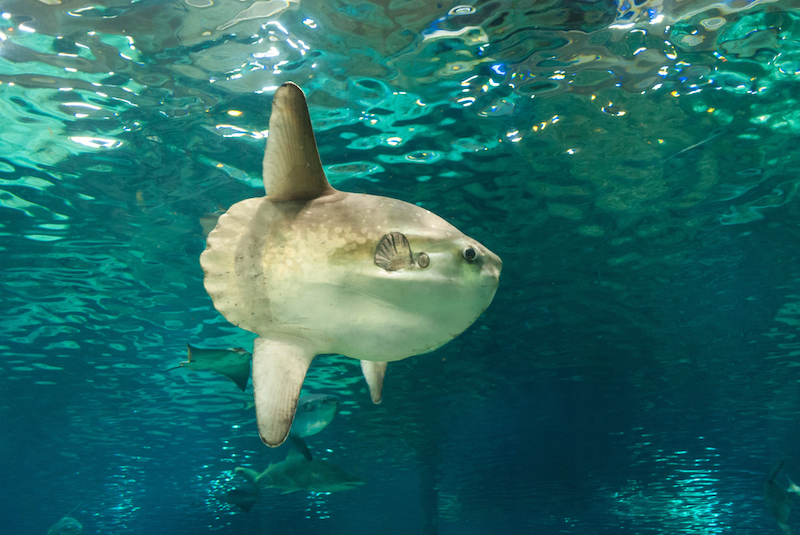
x=279 y=368
x=374 y=373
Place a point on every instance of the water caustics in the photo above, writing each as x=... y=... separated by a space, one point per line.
x=631 y=162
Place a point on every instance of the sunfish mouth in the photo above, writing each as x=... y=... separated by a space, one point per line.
x=492 y=266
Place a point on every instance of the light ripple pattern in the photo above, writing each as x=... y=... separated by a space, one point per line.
x=632 y=162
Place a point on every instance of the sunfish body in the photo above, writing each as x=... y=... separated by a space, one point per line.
x=297 y=473
x=66 y=526
x=312 y=270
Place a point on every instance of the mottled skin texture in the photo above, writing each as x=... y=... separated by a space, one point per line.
x=305 y=268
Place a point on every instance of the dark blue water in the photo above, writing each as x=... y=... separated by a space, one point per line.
x=633 y=164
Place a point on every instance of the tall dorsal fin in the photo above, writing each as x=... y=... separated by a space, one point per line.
x=292 y=168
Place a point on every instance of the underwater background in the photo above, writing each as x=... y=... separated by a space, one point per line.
x=633 y=163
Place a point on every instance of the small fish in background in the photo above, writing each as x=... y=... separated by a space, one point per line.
x=314 y=411
x=209 y=221
x=297 y=473
x=313 y=271
x=779 y=500
x=233 y=363
x=66 y=526
x=241 y=498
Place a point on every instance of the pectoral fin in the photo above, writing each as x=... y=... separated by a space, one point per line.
x=394 y=252
x=374 y=373
x=279 y=368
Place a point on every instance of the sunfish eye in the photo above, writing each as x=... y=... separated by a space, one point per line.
x=423 y=260
x=470 y=254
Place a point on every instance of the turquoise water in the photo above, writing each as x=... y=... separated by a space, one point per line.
x=633 y=164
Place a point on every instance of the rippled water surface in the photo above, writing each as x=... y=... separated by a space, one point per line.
x=633 y=163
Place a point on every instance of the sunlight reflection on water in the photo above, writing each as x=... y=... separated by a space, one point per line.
x=633 y=162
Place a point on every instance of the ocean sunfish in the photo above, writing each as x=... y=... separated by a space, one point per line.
x=313 y=270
